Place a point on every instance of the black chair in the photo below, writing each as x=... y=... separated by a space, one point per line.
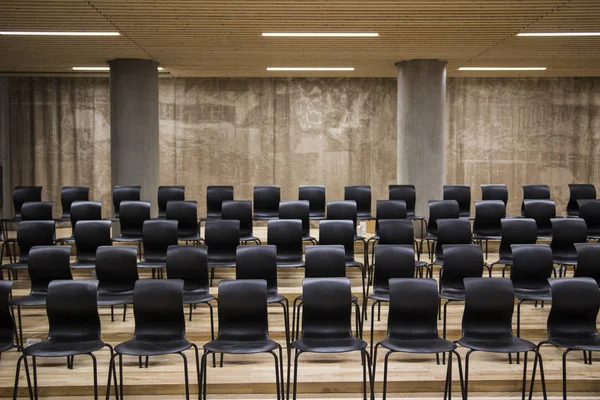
x=315 y=195
x=534 y=192
x=37 y=211
x=117 y=273
x=157 y=236
x=487 y=325
x=82 y=211
x=412 y=326
x=393 y=261
x=222 y=238
x=542 y=211
x=572 y=319
x=260 y=262
x=286 y=236
x=438 y=209
x=514 y=231
x=487 y=225
x=384 y=210
x=30 y=234
x=566 y=232
x=451 y=231
x=494 y=192
x=298 y=209
x=462 y=194
x=589 y=211
x=326 y=324
x=215 y=196
x=69 y=301
x=588 y=261
x=7 y=322
x=45 y=264
x=89 y=236
x=159 y=326
x=69 y=195
x=400 y=231
x=132 y=215
x=408 y=194
x=186 y=215
x=25 y=194
x=167 y=194
x=124 y=193
x=266 y=202
x=244 y=327
x=361 y=194
x=346 y=210
x=241 y=210
x=583 y=191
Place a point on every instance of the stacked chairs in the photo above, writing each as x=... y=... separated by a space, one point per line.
x=124 y=193
x=70 y=195
x=165 y=195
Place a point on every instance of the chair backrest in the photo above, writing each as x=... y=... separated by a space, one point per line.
x=89 y=235
x=588 y=261
x=85 y=211
x=257 y=262
x=46 y=264
x=325 y=261
x=452 y=231
x=413 y=309
x=532 y=265
x=215 y=196
x=575 y=305
x=186 y=214
x=296 y=209
x=338 y=232
x=7 y=324
x=166 y=194
x=516 y=231
x=488 y=217
x=342 y=210
x=494 y=192
x=441 y=209
x=581 y=191
x=326 y=308
x=25 y=194
x=243 y=310
x=489 y=306
x=222 y=238
x=589 y=211
x=286 y=236
x=392 y=261
x=37 y=211
x=124 y=193
x=315 y=195
x=70 y=301
x=389 y=209
x=542 y=211
x=406 y=193
x=132 y=215
x=157 y=236
x=565 y=233
x=460 y=261
x=396 y=231
x=361 y=194
x=535 y=192
x=190 y=264
x=71 y=194
x=460 y=193
x=158 y=310
x=266 y=200
x=33 y=233
x=240 y=210
x=116 y=268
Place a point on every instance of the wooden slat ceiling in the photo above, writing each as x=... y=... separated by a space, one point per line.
x=223 y=37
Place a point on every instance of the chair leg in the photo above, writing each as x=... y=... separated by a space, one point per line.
x=524 y=374
x=444 y=328
x=121 y=376
x=20 y=328
x=460 y=374
x=197 y=367
x=185 y=373
x=519 y=322
x=284 y=303
x=276 y=374
x=35 y=385
x=283 y=396
x=564 y=372
x=372 y=322
x=191 y=308
x=466 y=395
x=202 y=383
x=124 y=312
x=112 y=371
x=295 y=386
x=112 y=313
x=448 y=388
x=364 y=365
x=542 y=378
x=385 y=373
x=16 y=387
x=95 y=372
x=212 y=330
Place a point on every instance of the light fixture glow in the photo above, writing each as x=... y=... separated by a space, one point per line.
x=502 y=69
x=47 y=33
x=560 y=34
x=309 y=69
x=322 y=34
x=101 y=69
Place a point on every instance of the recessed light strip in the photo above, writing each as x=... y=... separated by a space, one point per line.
x=308 y=69
x=559 y=34
x=102 y=69
x=322 y=34
x=502 y=69
x=47 y=33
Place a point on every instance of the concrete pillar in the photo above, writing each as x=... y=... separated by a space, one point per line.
x=134 y=125
x=422 y=128
x=4 y=148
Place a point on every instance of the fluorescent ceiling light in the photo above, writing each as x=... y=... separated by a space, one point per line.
x=322 y=34
x=502 y=69
x=309 y=69
x=101 y=68
x=560 y=34
x=47 y=33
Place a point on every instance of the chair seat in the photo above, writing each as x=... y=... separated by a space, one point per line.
x=380 y=295
x=358 y=238
x=6 y=346
x=196 y=296
x=248 y=238
x=503 y=261
x=221 y=264
x=364 y=217
x=429 y=345
x=241 y=346
x=69 y=239
x=333 y=345
x=317 y=216
x=533 y=293
x=16 y=266
x=452 y=294
x=511 y=344
x=565 y=260
x=106 y=298
x=353 y=264
x=151 y=264
x=308 y=238
x=274 y=297
x=53 y=348
x=430 y=236
x=32 y=299
x=491 y=235
x=136 y=347
x=591 y=343
x=82 y=265
x=189 y=238
x=265 y=216
x=419 y=264
x=127 y=239
x=290 y=264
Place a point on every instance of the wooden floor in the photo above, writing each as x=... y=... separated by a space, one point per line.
x=319 y=376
